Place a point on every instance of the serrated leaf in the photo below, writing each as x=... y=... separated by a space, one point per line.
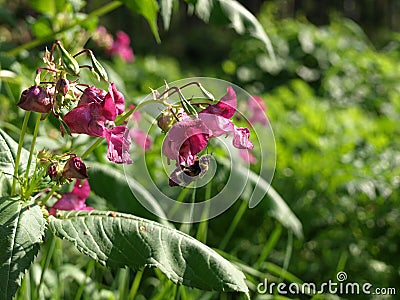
x=8 y=152
x=117 y=239
x=21 y=229
x=148 y=9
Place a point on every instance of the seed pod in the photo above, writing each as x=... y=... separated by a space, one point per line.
x=68 y=61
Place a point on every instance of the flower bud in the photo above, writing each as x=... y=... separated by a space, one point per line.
x=75 y=168
x=52 y=171
x=35 y=99
x=165 y=122
x=62 y=86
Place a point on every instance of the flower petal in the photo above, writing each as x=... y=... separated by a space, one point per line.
x=241 y=138
x=86 y=119
x=226 y=107
x=257 y=108
x=118 y=145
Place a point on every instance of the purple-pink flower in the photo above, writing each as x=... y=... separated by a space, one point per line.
x=247 y=156
x=121 y=47
x=190 y=136
x=74 y=200
x=94 y=116
x=141 y=138
x=257 y=109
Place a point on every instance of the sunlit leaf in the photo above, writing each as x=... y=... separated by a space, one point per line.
x=21 y=229
x=118 y=240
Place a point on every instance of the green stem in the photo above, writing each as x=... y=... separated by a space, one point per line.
x=48 y=196
x=203 y=226
x=187 y=226
x=92 y=147
x=235 y=222
x=49 y=254
x=17 y=158
x=135 y=284
x=35 y=133
x=96 y=13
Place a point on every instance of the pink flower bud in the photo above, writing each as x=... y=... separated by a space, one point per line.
x=35 y=99
x=75 y=168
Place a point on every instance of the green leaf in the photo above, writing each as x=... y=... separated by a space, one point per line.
x=42 y=27
x=237 y=16
x=21 y=229
x=166 y=12
x=148 y=9
x=8 y=152
x=117 y=239
x=277 y=207
x=111 y=184
x=44 y=6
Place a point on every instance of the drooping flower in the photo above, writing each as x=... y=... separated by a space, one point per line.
x=94 y=116
x=74 y=200
x=185 y=139
x=121 y=47
x=35 y=99
x=75 y=168
x=257 y=109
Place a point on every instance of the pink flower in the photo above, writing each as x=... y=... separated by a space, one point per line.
x=121 y=47
x=74 y=200
x=257 y=108
x=118 y=145
x=95 y=110
x=141 y=138
x=185 y=139
x=190 y=136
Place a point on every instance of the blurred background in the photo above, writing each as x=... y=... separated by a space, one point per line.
x=332 y=97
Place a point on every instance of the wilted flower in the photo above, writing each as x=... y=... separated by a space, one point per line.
x=75 y=168
x=257 y=109
x=121 y=47
x=74 y=200
x=62 y=86
x=35 y=99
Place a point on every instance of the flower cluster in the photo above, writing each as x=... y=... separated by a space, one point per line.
x=191 y=134
x=88 y=110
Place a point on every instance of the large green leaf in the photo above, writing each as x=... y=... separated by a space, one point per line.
x=117 y=239
x=8 y=152
x=236 y=16
x=21 y=229
x=148 y=9
x=111 y=184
